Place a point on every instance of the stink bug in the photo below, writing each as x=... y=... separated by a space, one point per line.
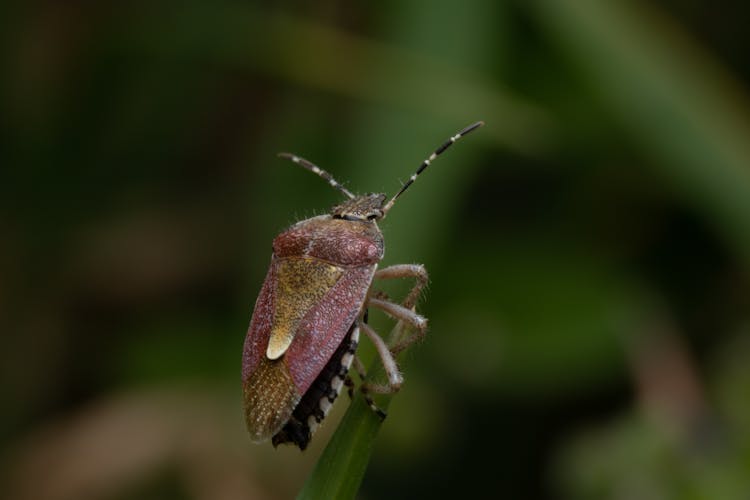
x=314 y=301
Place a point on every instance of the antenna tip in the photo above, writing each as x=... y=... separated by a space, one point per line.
x=472 y=127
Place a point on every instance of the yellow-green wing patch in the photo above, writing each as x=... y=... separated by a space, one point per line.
x=301 y=283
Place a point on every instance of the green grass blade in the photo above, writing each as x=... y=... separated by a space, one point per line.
x=676 y=103
x=340 y=469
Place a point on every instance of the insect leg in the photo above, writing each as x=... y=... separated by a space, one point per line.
x=407 y=316
x=357 y=364
x=359 y=367
x=416 y=271
x=399 y=312
x=395 y=379
x=349 y=383
x=405 y=311
x=366 y=388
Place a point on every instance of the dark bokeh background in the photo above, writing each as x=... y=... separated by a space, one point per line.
x=589 y=248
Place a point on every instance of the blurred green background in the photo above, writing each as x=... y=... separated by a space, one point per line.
x=588 y=248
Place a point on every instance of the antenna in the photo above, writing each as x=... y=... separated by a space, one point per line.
x=317 y=171
x=429 y=160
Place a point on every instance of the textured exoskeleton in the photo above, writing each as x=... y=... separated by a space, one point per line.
x=305 y=327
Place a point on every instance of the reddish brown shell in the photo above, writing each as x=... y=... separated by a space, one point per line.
x=273 y=387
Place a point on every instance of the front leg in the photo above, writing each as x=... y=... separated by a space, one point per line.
x=405 y=311
x=416 y=271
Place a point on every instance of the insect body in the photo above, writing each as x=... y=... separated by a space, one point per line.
x=312 y=307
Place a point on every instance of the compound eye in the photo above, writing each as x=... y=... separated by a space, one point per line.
x=374 y=215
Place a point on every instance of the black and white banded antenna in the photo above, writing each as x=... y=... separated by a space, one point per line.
x=428 y=161
x=308 y=165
